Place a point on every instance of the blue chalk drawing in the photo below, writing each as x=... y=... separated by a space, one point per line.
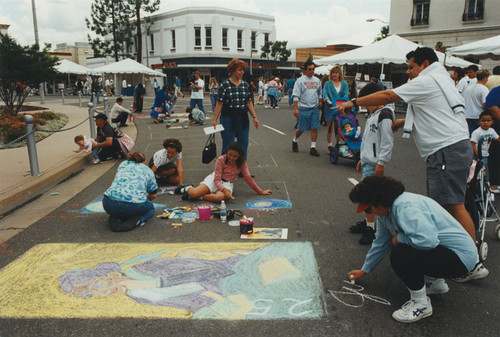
x=268 y=204
x=95 y=207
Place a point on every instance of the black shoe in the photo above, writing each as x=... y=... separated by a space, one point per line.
x=182 y=189
x=359 y=227
x=295 y=146
x=185 y=196
x=367 y=237
x=123 y=125
x=313 y=152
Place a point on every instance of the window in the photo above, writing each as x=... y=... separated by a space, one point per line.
x=254 y=35
x=208 y=37
x=474 y=10
x=152 y=40
x=420 y=12
x=240 y=39
x=224 y=37
x=173 y=39
x=266 y=37
x=197 y=37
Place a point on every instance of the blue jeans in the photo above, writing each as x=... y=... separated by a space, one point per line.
x=197 y=101
x=229 y=134
x=126 y=210
x=290 y=98
x=213 y=100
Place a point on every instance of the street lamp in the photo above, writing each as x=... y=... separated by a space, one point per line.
x=375 y=19
x=251 y=51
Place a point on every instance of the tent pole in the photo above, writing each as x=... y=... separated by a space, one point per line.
x=382 y=72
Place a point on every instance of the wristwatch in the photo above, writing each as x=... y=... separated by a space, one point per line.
x=354 y=103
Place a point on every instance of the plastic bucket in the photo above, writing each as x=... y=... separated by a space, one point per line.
x=204 y=212
x=246 y=226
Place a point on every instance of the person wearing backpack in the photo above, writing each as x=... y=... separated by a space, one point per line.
x=376 y=151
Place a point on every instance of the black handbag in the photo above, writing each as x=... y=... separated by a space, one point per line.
x=210 y=150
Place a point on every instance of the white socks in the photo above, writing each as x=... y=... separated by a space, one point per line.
x=295 y=140
x=419 y=295
x=313 y=144
x=370 y=224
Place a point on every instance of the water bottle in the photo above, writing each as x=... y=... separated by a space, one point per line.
x=223 y=211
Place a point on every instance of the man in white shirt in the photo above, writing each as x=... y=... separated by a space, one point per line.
x=440 y=133
x=107 y=86
x=475 y=99
x=468 y=80
x=197 y=92
x=119 y=114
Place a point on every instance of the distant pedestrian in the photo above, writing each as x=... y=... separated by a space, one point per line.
x=95 y=90
x=214 y=88
x=177 y=86
x=261 y=91
x=289 y=85
x=156 y=86
x=493 y=106
x=139 y=92
x=306 y=95
x=107 y=86
x=335 y=88
x=197 y=88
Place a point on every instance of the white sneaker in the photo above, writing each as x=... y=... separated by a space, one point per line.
x=413 y=311
x=477 y=273
x=96 y=161
x=435 y=286
x=266 y=106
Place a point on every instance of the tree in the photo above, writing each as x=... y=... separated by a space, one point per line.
x=384 y=31
x=148 y=6
x=277 y=50
x=22 y=68
x=110 y=18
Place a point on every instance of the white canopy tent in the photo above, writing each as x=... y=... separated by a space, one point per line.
x=392 y=49
x=483 y=49
x=323 y=70
x=128 y=66
x=68 y=67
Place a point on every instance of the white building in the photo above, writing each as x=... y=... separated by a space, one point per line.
x=206 y=39
x=452 y=22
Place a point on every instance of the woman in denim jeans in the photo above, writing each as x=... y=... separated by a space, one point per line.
x=214 y=88
x=128 y=200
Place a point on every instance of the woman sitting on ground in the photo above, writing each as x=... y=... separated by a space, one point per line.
x=128 y=200
x=218 y=185
x=166 y=164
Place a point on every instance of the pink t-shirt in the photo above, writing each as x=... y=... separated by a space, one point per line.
x=229 y=172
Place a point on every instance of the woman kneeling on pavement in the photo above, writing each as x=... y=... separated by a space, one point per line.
x=426 y=244
x=128 y=200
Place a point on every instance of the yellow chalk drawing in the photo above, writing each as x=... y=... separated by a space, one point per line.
x=279 y=268
x=30 y=288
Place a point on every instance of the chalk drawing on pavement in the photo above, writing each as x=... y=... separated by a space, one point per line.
x=95 y=206
x=356 y=298
x=268 y=204
x=193 y=280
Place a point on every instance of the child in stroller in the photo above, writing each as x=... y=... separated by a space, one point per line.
x=349 y=132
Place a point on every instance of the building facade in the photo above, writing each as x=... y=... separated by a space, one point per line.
x=77 y=53
x=206 y=39
x=451 y=22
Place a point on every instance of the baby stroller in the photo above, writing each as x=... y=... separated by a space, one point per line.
x=349 y=145
x=479 y=203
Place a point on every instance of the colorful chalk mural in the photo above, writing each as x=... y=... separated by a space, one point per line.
x=196 y=280
x=262 y=204
x=95 y=206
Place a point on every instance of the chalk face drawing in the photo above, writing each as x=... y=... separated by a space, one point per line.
x=95 y=206
x=268 y=204
x=195 y=280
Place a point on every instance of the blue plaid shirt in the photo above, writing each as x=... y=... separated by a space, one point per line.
x=235 y=97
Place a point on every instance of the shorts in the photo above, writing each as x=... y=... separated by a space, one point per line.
x=447 y=172
x=367 y=170
x=308 y=119
x=209 y=182
x=261 y=93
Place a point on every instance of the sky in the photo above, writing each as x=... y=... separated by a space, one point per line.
x=303 y=23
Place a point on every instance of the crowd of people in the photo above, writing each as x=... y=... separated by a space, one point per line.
x=452 y=119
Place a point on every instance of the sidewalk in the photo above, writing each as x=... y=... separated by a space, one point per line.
x=56 y=159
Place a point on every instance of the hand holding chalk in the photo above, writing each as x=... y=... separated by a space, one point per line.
x=355 y=274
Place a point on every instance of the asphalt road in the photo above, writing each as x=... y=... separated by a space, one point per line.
x=321 y=214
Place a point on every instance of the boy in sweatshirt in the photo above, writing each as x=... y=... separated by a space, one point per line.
x=376 y=151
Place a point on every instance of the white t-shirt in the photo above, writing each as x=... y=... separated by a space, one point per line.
x=475 y=97
x=487 y=136
x=198 y=93
x=435 y=125
x=160 y=158
x=87 y=144
x=464 y=83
